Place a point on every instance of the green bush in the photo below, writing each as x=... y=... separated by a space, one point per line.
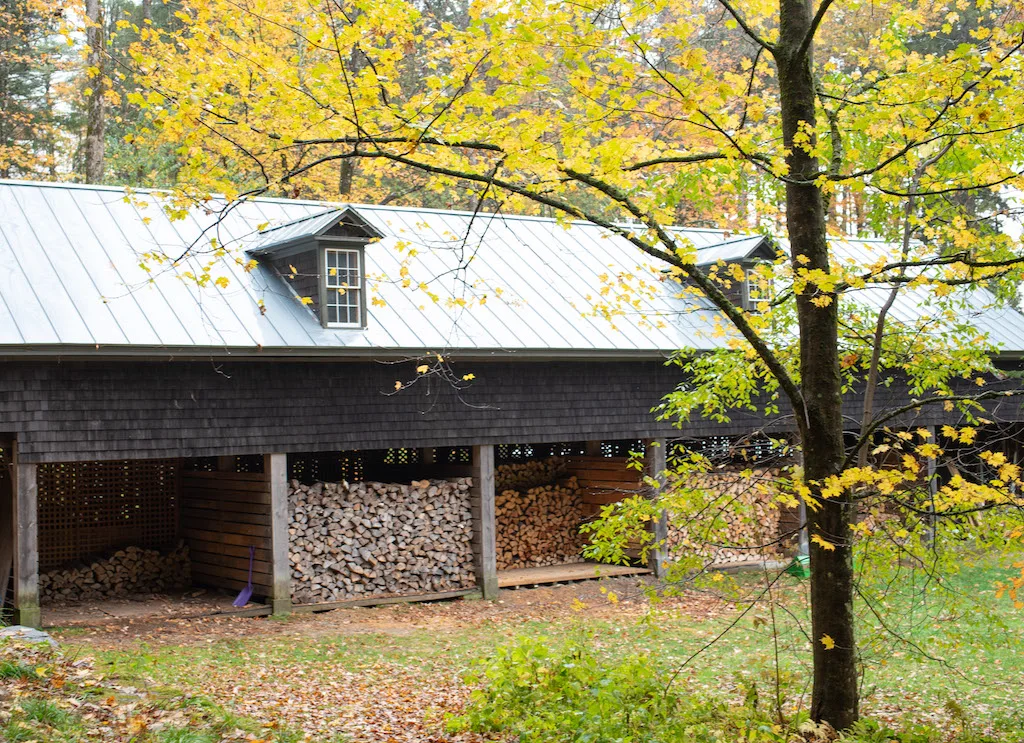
x=536 y=691
x=565 y=693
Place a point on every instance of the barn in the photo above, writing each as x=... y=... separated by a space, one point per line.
x=329 y=401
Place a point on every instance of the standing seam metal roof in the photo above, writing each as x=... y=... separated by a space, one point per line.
x=73 y=277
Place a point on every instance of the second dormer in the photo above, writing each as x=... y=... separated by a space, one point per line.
x=730 y=264
x=322 y=257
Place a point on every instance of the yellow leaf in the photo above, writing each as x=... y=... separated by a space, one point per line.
x=469 y=377
x=398 y=385
x=822 y=543
x=306 y=300
x=828 y=642
x=422 y=369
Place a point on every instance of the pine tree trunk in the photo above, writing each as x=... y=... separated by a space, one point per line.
x=834 y=693
x=96 y=115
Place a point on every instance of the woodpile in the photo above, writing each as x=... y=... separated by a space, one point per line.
x=522 y=476
x=128 y=571
x=540 y=526
x=745 y=519
x=379 y=539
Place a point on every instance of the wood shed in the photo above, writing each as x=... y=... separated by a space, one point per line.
x=328 y=391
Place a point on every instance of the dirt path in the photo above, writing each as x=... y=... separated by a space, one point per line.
x=514 y=606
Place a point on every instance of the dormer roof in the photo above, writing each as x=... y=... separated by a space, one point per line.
x=291 y=237
x=744 y=249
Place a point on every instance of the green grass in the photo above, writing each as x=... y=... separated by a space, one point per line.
x=976 y=644
x=14 y=670
x=186 y=735
x=46 y=712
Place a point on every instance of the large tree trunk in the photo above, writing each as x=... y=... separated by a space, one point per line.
x=96 y=115
x=835 y=694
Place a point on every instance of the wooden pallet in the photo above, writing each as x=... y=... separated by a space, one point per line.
x=563 y=574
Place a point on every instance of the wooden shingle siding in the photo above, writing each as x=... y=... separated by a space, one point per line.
x=82 y=410
x=305 y=279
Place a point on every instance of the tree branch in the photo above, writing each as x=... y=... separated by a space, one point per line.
x=868 y=432
x=808 y=39
x=750 y=32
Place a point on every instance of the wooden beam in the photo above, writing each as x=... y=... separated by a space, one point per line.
x=482 y=501
x=428 y=456
x=275 y=466
x=26 y=544
x=803 y=539
x=593 y=448
x=655 y=457
x=6 y=522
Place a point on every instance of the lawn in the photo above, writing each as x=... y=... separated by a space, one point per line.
x=394 y=673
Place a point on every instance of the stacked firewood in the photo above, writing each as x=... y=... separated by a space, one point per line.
x=525 y=475
x=129 y=571
x=739 y=520
x=539 y=526
x=379 y=539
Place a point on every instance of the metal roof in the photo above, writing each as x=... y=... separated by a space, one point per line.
x=741 y=248
x=74 y=279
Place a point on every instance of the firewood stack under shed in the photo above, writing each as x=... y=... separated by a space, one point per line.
x=746 y=518
x=379 y=539
x=539 y=527
x=128 y=571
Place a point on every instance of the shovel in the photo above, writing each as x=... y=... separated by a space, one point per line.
x=243 y=598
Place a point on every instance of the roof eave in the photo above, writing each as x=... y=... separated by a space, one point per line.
x=181 y=353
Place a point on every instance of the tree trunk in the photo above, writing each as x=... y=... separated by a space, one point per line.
x=834 y=695
x=96 y=115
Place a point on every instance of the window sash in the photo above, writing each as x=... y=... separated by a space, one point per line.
x=343 y=305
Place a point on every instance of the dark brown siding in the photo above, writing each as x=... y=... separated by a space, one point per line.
x=112 y=410
x=302 y=273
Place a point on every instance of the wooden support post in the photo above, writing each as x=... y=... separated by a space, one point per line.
x=933 y=490
x=26 y=544
x=593 y=448
x=6 y=523
x=275 y=466
x=804 y=539
x=482 y=501
x=227 y=463
x=655 y=457
x=428 y=456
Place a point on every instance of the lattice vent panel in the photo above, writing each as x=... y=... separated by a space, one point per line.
x=87 y=509
x=310 y=467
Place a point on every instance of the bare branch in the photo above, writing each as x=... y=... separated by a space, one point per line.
x=808 y=39
x=750 y=32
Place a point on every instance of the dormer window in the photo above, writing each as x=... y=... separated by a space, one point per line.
x=343 y=300
x=322 y=258
x=721 y=262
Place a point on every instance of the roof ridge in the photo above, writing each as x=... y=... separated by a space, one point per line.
x=328 y=205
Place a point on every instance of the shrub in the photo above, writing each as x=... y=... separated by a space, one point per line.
x=565 y=694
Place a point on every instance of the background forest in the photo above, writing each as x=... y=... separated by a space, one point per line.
x=73 y=107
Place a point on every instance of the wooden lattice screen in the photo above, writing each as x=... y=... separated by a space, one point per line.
x=87 y=509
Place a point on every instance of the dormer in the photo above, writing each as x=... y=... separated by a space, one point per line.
x=745 y=252
x=322 y=257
